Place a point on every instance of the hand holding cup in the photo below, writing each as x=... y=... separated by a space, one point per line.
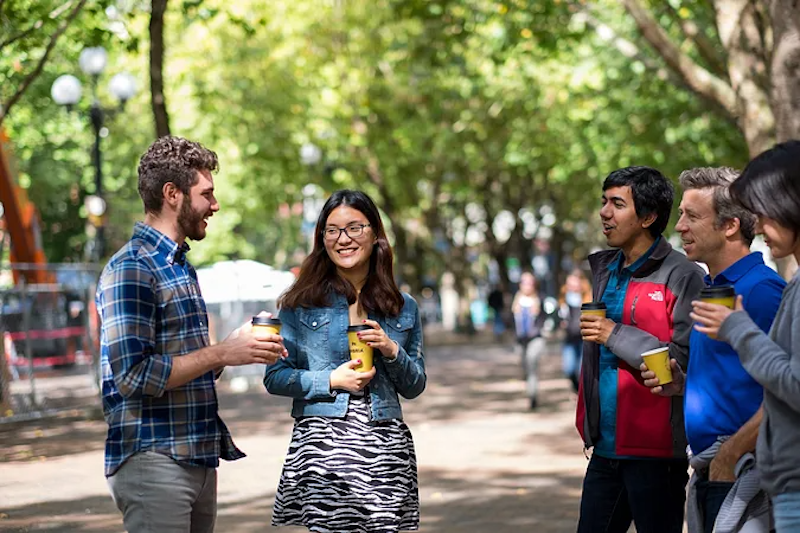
x=672 y=388
x=595 y=327
x=346 y=377
x=376 y=337
x=710 y=316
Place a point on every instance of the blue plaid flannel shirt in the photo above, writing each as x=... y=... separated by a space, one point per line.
x=151 y=311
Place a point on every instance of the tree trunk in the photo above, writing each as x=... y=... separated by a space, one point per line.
x=157 y=101
x=762 y=89
x=785 y=68
x=404 y=267
x=740 y=24
x=500 y=255
x=557 y=249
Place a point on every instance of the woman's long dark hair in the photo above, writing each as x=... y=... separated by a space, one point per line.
x=319 y=280
x=770 y=185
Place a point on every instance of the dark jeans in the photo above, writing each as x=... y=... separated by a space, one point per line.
x=710 y=495
x=649 y=492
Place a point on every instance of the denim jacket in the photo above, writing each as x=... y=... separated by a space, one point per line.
x=316 y=339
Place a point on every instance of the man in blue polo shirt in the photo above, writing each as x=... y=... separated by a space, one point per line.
x=722 y=403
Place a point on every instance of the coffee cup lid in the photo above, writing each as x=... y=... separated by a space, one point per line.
x=657 y=350
x=358 y=327
x=593 y=306
x=260 y=320
x=718 y=291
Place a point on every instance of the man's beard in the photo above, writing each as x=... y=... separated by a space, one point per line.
x=191 y=221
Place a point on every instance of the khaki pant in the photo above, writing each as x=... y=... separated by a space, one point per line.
x=158 y=495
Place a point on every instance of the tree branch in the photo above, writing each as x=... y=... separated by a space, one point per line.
x=623 y=46
x=14 y=38
x=54 y=14
x=700 y=80
x=6 y=108
x=707 y=50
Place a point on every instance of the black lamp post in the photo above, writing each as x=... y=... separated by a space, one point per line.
x=67 y=90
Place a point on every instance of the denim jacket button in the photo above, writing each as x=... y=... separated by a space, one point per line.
x=314 y=324
x=398 y=325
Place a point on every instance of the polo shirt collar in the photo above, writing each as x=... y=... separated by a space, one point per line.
x=734 y=273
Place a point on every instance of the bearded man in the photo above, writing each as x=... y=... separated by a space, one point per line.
x=165 y=436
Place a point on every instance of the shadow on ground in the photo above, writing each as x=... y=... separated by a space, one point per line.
x=505 y=502
x=466 y=383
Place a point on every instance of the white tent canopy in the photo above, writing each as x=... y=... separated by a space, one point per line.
x=242 y=281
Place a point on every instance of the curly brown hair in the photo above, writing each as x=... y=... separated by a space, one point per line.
x=171 y=159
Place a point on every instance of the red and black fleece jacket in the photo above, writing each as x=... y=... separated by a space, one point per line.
x=656 y=313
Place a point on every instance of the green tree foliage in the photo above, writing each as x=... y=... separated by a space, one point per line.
x=449 y=113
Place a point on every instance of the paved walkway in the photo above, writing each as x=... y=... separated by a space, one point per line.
x=486 y=463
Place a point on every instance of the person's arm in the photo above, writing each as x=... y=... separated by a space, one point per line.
x=407 y=368
x=763 y=301
x=127 y=304
x=195 y=364
x=723 y=466
x=766 y=361
x=629 y=342
x=288 y=377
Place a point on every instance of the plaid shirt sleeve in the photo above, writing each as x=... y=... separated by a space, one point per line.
x=128 y=307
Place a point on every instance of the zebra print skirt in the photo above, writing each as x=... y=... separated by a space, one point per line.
x=349 y=475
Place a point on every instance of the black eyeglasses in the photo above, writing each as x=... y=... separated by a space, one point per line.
x=354 y=231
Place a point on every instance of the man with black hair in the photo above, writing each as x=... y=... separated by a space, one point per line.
x=638 y=471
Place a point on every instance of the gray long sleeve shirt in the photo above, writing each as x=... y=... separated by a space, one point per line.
x=774 y=361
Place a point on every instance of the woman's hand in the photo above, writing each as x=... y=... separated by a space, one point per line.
x=378 y=339
x=709 y=317
x=344 y=377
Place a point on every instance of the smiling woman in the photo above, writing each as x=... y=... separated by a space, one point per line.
x=349 y=246
x=336 y=476
x=770 y=187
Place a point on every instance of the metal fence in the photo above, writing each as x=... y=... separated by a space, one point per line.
x=49 y=350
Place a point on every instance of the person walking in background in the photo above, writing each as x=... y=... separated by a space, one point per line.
x=722 y=403
x=575 y=291
x=165 y=436
x=496 y=303
x=638 y=470
x=528 y=321
x=351 y=465
x=770 y=187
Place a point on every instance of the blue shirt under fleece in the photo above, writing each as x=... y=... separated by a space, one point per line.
x=614 y=298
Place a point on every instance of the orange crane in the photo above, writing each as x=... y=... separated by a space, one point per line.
x=22 y=223
x=46 y=335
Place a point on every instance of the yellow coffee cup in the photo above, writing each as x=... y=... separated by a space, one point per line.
x=721 y=295
x=658 y=361
x=724 y=295
x=266 y=324
x=594 y=309
x=358 y=348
